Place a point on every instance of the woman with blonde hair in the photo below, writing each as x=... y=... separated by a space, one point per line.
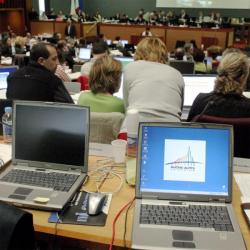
x=104 y=81
x=151 y=86
x=226 y=100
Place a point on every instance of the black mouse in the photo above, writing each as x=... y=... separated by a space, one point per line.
x=95 y=203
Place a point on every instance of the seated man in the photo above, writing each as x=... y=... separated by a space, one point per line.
x=37 y=81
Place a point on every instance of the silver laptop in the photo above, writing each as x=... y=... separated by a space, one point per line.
x=49 y=154
x=85 y=54
x=194 y=85
x=184 y=178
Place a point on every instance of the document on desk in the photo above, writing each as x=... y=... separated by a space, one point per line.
x=5 y=153
x=100 y=149
x=243 y=181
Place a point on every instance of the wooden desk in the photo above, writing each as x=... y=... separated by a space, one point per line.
x=170 y=34
x=82 y=29
x=102 y=235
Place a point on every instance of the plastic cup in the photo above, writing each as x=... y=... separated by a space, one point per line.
x=119 y=150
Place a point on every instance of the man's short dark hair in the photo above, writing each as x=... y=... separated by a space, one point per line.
x=40 y=50
x=99 y=47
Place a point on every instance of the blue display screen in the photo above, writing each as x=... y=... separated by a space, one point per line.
x=4 y=72
x=185 y=160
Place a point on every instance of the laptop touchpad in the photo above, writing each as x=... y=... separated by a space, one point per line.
x=23 y=191
x=182 y=235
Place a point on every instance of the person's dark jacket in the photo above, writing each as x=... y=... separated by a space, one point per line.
x=70 y=32
x=6 y=51
x=36 y=83
x=229 y=105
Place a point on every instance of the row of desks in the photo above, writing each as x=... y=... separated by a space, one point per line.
x=99 y=237
x=169 y=34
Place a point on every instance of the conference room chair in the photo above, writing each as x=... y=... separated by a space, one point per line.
x=180 y=44
x=16 y=229
x=185 y=67
x=21 y=60
x=73 y=87
x=241 y=131
x=105 y=127
x=209 y=41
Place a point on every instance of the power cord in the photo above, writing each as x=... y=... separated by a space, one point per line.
x=114 y=222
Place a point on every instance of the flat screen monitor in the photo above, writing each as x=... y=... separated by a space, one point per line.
x=4 y=72
x=109 y=42
x=85 y=53
x=195 y=84
x=120 y=92
x=123 y=42
x=124 y=60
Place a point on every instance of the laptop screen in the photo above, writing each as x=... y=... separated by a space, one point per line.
x=196 y=84
x=85 y=53
x=4 y=72
x=124 y=61
x=185 y=159
x=52 y=134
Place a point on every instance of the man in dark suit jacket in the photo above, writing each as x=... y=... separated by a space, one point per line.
x=37 y=81
x=70 y=29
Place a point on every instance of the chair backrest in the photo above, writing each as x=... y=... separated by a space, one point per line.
x=209 y=41
x=73 y=87
x=105 y=127
x=185 y=67
x=16 y=228
x=241 y=131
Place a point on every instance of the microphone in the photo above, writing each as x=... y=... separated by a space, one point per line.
x=208 y=105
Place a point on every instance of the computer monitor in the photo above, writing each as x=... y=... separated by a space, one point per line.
x=195 y=84
x=185 y=67
x=4 y=72
x=85 y=53
x=123 y=42
x=124 y=60
x=109 y=42
x=120 y=92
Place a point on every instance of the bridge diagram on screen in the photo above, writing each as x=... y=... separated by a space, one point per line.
x=184 y=160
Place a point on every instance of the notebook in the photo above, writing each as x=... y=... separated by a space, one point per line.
x=49 y=154
x=183 y=168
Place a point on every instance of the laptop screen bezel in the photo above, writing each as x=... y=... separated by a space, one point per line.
x=182 y=196
x=47 y=165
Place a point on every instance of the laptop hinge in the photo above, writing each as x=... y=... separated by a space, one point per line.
x=75 y=169
x=150 y=197
x=217 y=200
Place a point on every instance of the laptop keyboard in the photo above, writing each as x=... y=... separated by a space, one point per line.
x=216 y=217
x=57 y=181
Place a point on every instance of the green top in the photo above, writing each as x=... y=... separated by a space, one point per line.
x=101 y=102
